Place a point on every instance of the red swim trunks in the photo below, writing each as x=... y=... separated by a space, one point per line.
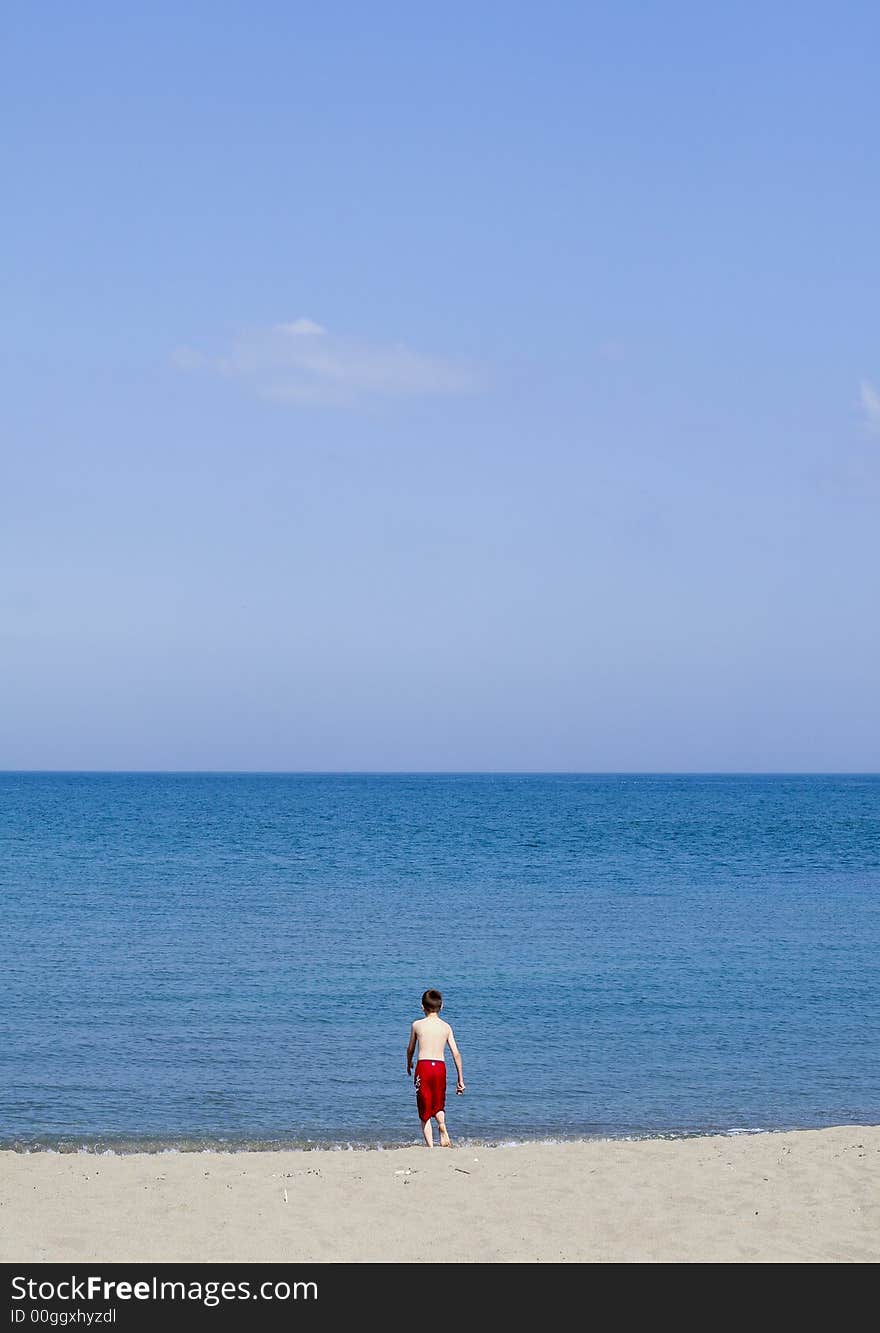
x=430 y=1087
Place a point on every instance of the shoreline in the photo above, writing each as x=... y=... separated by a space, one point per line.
x=133 y=1146
x=765 y=1196
x=148 y=1145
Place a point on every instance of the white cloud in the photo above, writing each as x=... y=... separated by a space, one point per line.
x=301 y=362
x=870 y=405
x=301 y=327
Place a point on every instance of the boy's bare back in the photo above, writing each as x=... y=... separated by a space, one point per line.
x=432 y=1033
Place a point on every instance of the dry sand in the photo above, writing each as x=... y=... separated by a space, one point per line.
x=810 y=1196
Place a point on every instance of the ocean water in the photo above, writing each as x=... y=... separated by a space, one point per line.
x=203 y=960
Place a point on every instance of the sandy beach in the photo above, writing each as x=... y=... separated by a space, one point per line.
x=810 y=1196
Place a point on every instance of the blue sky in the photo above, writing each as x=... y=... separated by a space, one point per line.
x=467 y=387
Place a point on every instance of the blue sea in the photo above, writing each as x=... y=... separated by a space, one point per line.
x=234 y=960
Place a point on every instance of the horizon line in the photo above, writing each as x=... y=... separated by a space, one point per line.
x=442 y=772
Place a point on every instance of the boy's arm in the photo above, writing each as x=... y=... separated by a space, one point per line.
x=410 y=1050
x=456 y=1055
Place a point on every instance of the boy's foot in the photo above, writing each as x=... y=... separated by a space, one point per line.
x=445 y=1140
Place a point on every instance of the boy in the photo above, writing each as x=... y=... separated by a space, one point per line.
x=432 y=1034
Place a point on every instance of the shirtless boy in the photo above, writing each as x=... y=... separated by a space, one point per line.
x=432 y=1035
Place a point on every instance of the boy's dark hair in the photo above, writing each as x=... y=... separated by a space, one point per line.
x=432 y=1000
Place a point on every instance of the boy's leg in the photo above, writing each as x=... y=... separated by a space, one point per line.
x=428 y=1131
x=445 y=1141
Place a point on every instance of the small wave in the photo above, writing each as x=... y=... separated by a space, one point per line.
x=129 y=1145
